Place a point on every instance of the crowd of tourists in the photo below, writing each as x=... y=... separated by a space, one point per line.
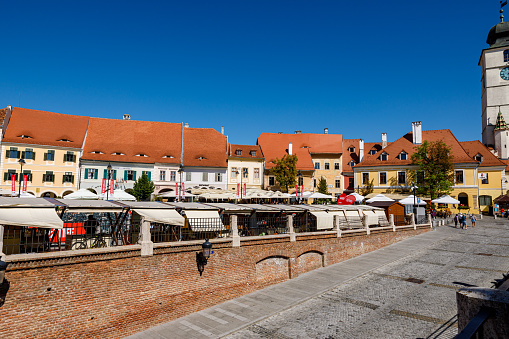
x=461 y=219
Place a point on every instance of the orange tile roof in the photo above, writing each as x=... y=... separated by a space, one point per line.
x=157 y=140
x=354 y=156
x=275 y=145
x=207 y=144
x=476 y=147
x=405 y=143
x=3 y=113
x=45 y=128
x=246 y=151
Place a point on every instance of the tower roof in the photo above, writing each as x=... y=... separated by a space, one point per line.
x=501 y=125
x=498 y=35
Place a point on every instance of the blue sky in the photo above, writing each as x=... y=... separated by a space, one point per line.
x=359 y=68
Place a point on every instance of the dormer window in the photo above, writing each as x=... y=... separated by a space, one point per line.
x=65 y=140
x=117 y=153
x=24 y=136
x=351 y=149
x=478 y=157
x=238 y=152
x=372 y=152
x=403 y=156
x=201 y=158
x=253 y=153
x=384 y=156
x=352 y=163
x=97 y=152
x=305 y=146
x=141 y=155
x=169 y=156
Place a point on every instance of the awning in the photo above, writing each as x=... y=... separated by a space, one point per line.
x=163 y=216
x=32 y=217
x=323 y=220
x=204 y=220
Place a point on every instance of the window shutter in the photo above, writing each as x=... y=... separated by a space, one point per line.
x=86 y=173
x=134 y=175
x=125 y=174
x=105 y=174
x=18 y=154
x=65 y=157
x=96 y=173
x=114 y=174
x=7 y=155
x=23 y=154
x=45 y=156
x=72 y=179
x=63 y=179
x=33 y=155
x=74 y=158
x=149 y=175
x=6 y=176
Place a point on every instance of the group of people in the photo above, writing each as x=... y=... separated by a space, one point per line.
x=462 y=220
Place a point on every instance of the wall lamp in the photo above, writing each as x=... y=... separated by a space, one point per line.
x=204 y=255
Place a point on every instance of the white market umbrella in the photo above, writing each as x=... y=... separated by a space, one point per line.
x=26 y=195
x=445 y=199
x=172 y=194
x=410 y=201
x=5 y=192
x=379 y=197
x=120 y=195
x=82 y=194
x=318 y=195
x=357 y=196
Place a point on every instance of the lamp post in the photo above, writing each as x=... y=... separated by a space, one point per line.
x=204 y=255
x=21 y=162
x=414 y=207
x=180 y=170
x=300 y=176
x=108 y=176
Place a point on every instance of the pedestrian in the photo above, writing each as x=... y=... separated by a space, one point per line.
x=473 y=219
x=456 y=221
x=464 y=220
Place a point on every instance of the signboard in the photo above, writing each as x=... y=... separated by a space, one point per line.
x=483 y=176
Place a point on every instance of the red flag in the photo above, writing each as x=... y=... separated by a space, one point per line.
x=25 y=179
x=238 y=190
x=13 y=184
x=342 y=199
x=103 y=187
x=112 y=186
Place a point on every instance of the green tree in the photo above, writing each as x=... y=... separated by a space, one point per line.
x=435 y=173
x=285 y=171
x=322 y=186
x=143 y=188
x=368 y=188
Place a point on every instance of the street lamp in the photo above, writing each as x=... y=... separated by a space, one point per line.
x=300 y=176
x=180 y=170
x=108 y=176
x=204 y=255
x=21 y=162
x=414 y=207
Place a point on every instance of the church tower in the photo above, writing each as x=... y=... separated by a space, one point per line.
x=494 y=64
x=501 y=136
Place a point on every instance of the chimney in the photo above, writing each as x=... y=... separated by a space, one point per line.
x=186 y=124
x=384 y=140
x=297 y=132
x=361 y=150
x=325 y=131
x=417 y=132
x=127 y=117
x=290 y=149
x=222 y=130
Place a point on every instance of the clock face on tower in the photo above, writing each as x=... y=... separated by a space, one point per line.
x=504 y=73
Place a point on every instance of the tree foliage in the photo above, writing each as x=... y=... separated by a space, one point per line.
x=369 y=188
x=285 y=171
x=143 y=188
x=322 y=186
x=435 y=173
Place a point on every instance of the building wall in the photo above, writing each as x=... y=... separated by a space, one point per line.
x=197 y=174
x=99 y=293
x=250 y=181
x=38 y=167
x=331 y=174
x=168 y=183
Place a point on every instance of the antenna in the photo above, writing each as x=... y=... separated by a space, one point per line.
x=502 y=4
x=19 y=100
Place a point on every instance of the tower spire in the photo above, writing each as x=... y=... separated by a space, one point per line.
x=502 y=4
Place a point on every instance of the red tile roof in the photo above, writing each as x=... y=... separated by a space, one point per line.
x=159 y=141
x=246 y=151
x=204 y=147
x=45 y=128
x=3 y=113
x=275 y=145
x=354 y=156
x=475 y=147
x=405 y=144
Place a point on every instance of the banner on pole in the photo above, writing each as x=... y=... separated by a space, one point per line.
x=25 y=179
x=13 y=184
x=183 y=191
x=245 y=190
x=112 y=186
x=238 y=190
x=103 y=187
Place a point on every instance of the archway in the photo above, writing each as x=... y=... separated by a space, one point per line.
x=66 y=193
x=48 y=194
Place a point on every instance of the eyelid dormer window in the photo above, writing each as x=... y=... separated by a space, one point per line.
x=384 y=156
x=141 y=155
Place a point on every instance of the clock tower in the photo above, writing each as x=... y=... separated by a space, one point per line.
x=494 y=64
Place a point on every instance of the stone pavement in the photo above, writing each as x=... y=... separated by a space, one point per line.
x=406 y=290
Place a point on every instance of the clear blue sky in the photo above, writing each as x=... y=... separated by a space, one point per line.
x=359 y=68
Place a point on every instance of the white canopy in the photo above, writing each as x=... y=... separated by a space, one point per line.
x=318 y=195
x=5 y=192
x=160 y=215
x=119 y=195
x=357 y=196
x=379 y=197
x=32 y=217
x=204 y=220
x=410 y=201
x=172 y=194
x=323 y=220
x=82 y=194
x=445 y=199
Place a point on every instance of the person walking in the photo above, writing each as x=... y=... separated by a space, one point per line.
x=456 y=221
x=473 y=219
x=464 y=221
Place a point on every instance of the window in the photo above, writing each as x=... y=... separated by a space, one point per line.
x=314 y=183
x=402 y=156
x=234 y=172
x=506 y=55
x=253 y=153
x=485 y=200
x=458 y=175
x=48 y=176
x=327 y=166
x=130 y=175
x=336 y=165
x=148 y=174
x=173 y=175
x=69 y=157
x=8 y=175
x=485 y=181
x=28 y=153
x=365 y=178
x=205 y=177
x=372 y=152
x=401 y=178
x=28 y=173
x=351 y=183
x=238 y=152
x=219 y=177
x=13 y=153
x=352 y=163
x=301 y=181
x=49 y=156
x=384 y=156
x=188 y=176
x=91 y=173
x=351 y=149
x=245 y=173
x=272 y=181
x=382 y=178
x=113 y=174
x=338 y=183
x=257 y=173
x=317 y=165
x=162 y=175
x=68 y=177
x=478 y=157
x=419 y=176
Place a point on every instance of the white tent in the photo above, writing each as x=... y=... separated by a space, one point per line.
x=172 y=194
x=445 y=199
x=379 y=197
x=318 y=195
x=82 y=194
x=119 y=195
x=357 y=196
x=410 y=201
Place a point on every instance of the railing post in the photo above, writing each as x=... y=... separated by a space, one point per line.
x=335 y=221
x=391 y=222
x=2 y=255
x=413 y=221
x=147 y=246
x=365 y=222
x=430 y=220
x=234 y=231
x=289 y=226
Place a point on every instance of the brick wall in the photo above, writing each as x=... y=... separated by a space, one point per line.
x=114 y=292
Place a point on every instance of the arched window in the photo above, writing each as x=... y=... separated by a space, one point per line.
x=506 y=55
